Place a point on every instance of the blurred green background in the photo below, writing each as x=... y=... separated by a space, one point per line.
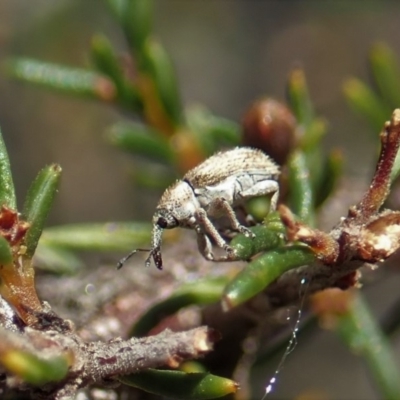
x=227 y=53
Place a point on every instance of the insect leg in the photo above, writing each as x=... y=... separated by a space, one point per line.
x=204 y=244
x=209 y=229
x=222 y=204
x=250 y=221
x=205 y=248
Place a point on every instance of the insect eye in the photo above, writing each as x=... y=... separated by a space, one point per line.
x=162 y=222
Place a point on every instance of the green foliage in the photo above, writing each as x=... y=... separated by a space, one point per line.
x=309 y=190
x=376 y=104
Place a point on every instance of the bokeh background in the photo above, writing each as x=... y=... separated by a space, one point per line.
x=227 y=54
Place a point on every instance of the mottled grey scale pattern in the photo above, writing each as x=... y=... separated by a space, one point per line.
x=230 y=163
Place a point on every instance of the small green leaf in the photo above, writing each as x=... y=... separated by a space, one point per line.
x=6 y=256
x=358 y=329
x=211 y=131
x=111 y=236
x=259 y=273
x=158 y=66
x=141 y=140
x=310 y=141
x=202 y=292
x=181 y=385
x=386 y=72
x=38 y=203
x=365 y=102
x=7 y=192
x=137 y=22
x=224 y=131
x=301 y=196
x=299 y=98
x=265 y=239
x=107 y=63
x=75 y=81
x=35 y=370
x=331 y=172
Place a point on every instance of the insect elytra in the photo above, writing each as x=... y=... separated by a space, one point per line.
x=209 y=191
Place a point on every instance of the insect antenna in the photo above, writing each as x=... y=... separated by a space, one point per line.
x=122 y=261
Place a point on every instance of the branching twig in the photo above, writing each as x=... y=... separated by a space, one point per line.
x=365 y=236
x=101 y=362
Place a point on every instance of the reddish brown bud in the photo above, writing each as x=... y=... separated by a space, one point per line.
x=270 y=126
x=11 y=227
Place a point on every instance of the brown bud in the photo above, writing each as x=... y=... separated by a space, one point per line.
x=11 y=227
x=270 y=126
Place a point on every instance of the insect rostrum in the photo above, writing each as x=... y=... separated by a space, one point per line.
x=209 y=191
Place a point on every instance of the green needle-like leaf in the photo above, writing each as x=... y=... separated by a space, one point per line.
x=38 y=203
x=299 y=98
x=181 y=385
x=262 y=271
x=203 y=292
x=7 y=192
x=265 y=239
x=141 y=140
x=111 y=236
x=106 y=62
x=301 y=191
x=358 y=328
x=137 y=22
x=158 y=66
x=312 y=130
x=311 y=139
x=75 y=81
x=386 y=72
x=364 y=101
x=211 y=131
x=331 y=172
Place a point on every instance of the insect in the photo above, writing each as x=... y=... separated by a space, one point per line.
x=209 y=191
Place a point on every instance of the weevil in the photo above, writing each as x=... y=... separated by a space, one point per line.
x=209 y=191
